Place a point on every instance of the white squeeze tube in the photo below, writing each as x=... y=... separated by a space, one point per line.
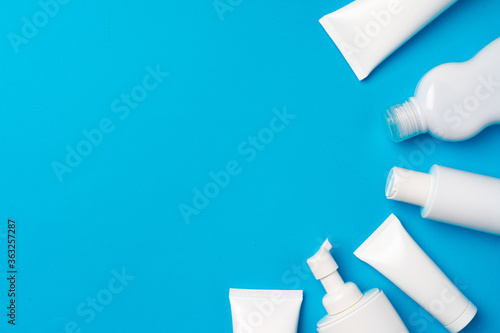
x=392 y=251
x=265 y=311
x=368 y=31
x=448 y=195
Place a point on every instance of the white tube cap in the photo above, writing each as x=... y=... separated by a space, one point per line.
x=408 y=186
x=464 y=319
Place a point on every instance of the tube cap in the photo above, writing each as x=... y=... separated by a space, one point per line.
x=408 y=186
x=464 y=319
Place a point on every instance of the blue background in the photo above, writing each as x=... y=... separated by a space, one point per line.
x=322 y=175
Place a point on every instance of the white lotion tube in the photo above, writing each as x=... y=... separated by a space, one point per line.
x=392 y=251
x=265 y=311
x=368 y=31
x=449 y=195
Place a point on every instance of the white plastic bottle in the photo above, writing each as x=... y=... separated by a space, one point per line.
x=453 y=102
x=449 y=195
x=348 y=309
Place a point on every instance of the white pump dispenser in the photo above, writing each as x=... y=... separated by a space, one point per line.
x=340 y=296
x=348 y=309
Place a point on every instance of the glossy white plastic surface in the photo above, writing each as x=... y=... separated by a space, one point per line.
x=373 y=313
x=340 y=296
x=409 y=186
x=348 y=309
x=368 y=31
x=456 y=197
x=454 y=101
x=265 y=311
x=392 y=251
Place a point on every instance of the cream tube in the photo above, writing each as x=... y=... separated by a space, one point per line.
x=265 y=311
x=368 y=31
x=392 y=251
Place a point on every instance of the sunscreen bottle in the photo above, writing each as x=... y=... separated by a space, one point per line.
x=448 y=195
x=348 y=309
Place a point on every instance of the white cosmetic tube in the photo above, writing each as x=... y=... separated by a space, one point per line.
x=392 y=251
x=265 y=311
x=368 y=31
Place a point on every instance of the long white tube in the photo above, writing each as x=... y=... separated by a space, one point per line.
x=392 y=251
x=368 y=31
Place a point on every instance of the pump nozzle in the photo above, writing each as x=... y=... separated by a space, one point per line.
x=340 y=296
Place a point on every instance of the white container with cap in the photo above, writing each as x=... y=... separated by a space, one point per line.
x=449 y=195
x=367 y=32
x=348 y=309
x=394 y=253
x=452 y=102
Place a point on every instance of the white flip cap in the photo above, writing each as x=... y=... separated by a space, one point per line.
x=408 y=186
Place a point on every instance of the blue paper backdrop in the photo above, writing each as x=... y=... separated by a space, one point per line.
x=114 y=114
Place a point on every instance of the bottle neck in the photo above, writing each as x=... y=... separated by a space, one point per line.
x=405 y=120
x=333 y=282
